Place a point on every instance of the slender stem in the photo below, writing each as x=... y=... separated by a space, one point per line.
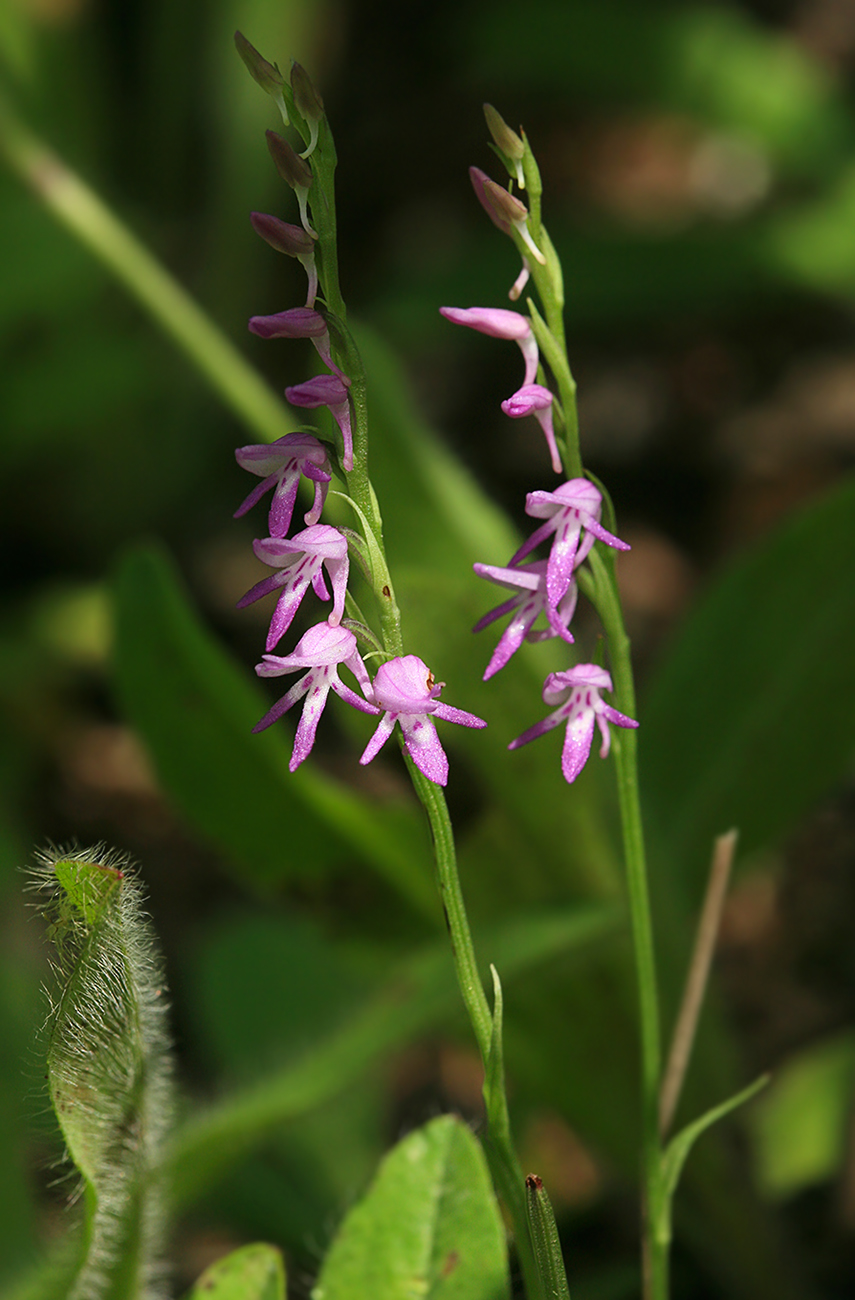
x=608 y=606
x=724 y=849
x=501 y=1156
x=74 y=204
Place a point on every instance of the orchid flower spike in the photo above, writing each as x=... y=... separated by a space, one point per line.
x=499 y=323
x=529 y=583
x=331 y=391
x=573 y=507
x=577 y=694
x=300 y=561
x=534 y=399
x=322 y=649
x=406 y=689
x=299 y=323
x=279 y=464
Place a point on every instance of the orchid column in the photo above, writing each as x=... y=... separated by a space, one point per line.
x=545 y=591
x=403 y=693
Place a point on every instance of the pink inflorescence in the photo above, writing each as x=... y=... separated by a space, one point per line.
x=544 y=591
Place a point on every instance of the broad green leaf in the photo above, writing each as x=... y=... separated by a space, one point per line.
x=801 y=1126
x=195 y=709
x=750 y=717
x=254 y=1272
x=429 y=1226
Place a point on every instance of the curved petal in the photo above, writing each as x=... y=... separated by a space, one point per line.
x=378 y=740
x=448 y=713
x=539 y=729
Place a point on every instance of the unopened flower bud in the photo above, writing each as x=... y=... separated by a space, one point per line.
x=289 y=164
x=282 y=235
x=267 y=75
x=503 y=209
x=306 y=97
x=293 y=170
x=508 y=143
x=308 y=102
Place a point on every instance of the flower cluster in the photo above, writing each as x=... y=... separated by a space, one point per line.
x=570 y=514
x=403 y=690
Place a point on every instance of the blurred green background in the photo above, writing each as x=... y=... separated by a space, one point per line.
x=699 y=176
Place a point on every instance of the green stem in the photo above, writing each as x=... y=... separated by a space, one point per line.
x=78 y=208
x=504 y=1166
x=607 y=602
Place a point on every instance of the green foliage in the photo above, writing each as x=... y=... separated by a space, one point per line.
x=800 y=1127
x=250 y=1273
x=748 y=721
x=429 y=1225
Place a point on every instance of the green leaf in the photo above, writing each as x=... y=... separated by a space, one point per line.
x=252 y=1273
x=801 y=1126
x=750 y=718
x=429 y=1226
x=420 y=992
x=195 y=709
x=677 y=1151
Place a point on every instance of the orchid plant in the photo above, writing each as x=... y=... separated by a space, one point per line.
x=580 y=558
x=440 y=1215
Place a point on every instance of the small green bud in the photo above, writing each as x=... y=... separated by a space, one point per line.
x=307 y=102
x=506 y=139
x=508 y=144
x=267 y=75
x=306 y=98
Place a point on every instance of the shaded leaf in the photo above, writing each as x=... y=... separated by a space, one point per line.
x=750 y=717
x=428 y=1226
x=251 y=1273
